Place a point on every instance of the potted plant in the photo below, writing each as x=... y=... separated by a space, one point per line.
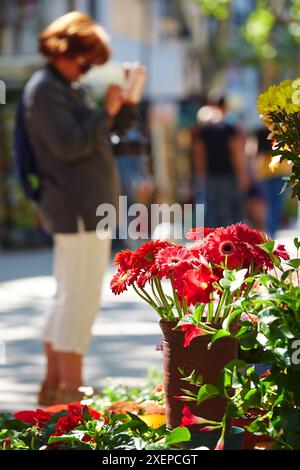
x=192 y=289
x=272 y=323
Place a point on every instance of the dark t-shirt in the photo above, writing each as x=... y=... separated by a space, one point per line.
x=216 y=137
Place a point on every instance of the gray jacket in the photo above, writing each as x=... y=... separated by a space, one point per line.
x=70 y=139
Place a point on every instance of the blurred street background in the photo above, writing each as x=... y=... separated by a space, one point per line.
x=194 y=50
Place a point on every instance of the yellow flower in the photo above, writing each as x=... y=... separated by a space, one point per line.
x=284 y=93
x=283 y=97
x=266 y=102
x=154 y=421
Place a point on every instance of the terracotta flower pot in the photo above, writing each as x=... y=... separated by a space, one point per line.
x=196 y=357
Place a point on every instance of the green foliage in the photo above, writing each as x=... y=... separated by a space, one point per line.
x=220 y=9
x=271 y=30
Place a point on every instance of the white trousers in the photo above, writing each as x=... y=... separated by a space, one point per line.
x=80 y=261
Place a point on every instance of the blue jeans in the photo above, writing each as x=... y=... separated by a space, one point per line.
x=224 y=202
x=271 y=192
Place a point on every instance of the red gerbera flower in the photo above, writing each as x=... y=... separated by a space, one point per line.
x=198 y=285
x=146 y=252
x=123 y=279
x=191 y=332
x=178 y=273
x=223 y=244
x=238 y=244
x=169 y=258
x=198 y=233
x=145 y=255
x=126 y=259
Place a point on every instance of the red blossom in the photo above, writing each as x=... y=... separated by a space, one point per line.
x=72 y=406
x=126 y=259
x=191 y=332
x=198 y=285
x=123 y=279
x=238 y=245
x=34 y=418
x=188 y=419
x=71 y=421
x=281 y=252
x=198 y=233
x=147 y=251
x=169 y=258
x=265 y=374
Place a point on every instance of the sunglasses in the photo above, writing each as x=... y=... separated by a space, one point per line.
x=84 y=66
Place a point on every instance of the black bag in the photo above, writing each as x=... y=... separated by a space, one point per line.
x=25 y=159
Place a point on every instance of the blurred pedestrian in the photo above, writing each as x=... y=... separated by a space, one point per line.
x=271 y=181
x=70 y=139
x=219 y=153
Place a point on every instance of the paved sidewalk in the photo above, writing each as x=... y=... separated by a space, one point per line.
x=124 y=337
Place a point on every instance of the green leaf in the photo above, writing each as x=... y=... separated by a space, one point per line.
x=268 y=247
x=197 y=313
x=137 y=423
x=218 y=335
x=269 y=315
x=207 y=392
x=67 y=438
x=286 y=274
x=238 y=279
x=178 y=435
x=286 y=331
x=253 y=397
x=228 y=320
x=295 y=263
x=297 y=243
x=189 y=393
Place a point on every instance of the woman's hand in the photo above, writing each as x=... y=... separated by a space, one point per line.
x=113 y=100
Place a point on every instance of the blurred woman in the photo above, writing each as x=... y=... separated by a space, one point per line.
x=70 y=139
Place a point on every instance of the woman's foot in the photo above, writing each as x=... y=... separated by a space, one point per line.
x=64 y=395
x=47 y=395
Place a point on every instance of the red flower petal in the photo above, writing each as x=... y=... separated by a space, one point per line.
x=191 y=332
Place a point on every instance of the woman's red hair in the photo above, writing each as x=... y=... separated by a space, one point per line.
x=75 y=34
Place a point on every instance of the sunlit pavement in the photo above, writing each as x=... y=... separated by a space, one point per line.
x=124 y=337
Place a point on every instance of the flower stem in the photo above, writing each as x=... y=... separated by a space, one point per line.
x=149 y=301
x=210 y=310
x=161 y=292
x=176 y=300
x=222 y=301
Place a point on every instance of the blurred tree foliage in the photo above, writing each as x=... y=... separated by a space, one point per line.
x=271 y=27
x=262 y=33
